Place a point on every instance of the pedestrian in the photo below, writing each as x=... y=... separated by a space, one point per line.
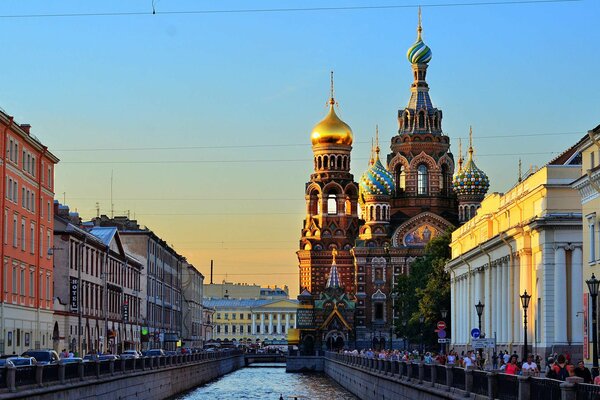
x=506 y=357
x=512 y=368
x=583 y=372
x=530 y=367
x=494 y=361
x=559 y=369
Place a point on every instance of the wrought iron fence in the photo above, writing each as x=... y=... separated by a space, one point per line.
x=458 y=378
x=25 y=376
x=545 y=389
x=588 y=392
x=440 y=375
x=508 y=387
x=427 y=372
x=480 y=383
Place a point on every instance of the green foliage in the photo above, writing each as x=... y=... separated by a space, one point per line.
x=424 y=292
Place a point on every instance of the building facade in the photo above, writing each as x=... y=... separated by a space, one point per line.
x=161 y=281
x=27 y=223
x=192 y=286
x=528 y=239
x=249 y=321
x=230 y=290
x=588 y=186
x=208 y=315
x=89 y=263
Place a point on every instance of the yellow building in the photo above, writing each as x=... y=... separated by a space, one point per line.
x=250 y=320
x=588 y=186
x=526 y=239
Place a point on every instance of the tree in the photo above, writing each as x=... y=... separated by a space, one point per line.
x=425 y=291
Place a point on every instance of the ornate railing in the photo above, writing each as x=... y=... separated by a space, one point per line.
x=543 y=389
x=508 y=387
x=587 y=392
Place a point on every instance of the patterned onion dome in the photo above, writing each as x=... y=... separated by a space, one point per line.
x=419 y=53
x=376 y=181
x=331 y=130
x=470 y=180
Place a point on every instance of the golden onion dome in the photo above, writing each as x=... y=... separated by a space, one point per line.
x=331 y=130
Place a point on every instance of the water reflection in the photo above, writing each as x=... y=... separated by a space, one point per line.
x=269 y=383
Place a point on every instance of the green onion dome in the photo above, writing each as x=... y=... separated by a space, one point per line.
x=419 y=53
x=376 y=180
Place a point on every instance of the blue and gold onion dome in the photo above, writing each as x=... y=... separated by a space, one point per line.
x=376 y=181
x=470 y=180
x=331 y=130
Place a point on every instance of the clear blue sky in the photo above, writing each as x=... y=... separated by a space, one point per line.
x=262 y=78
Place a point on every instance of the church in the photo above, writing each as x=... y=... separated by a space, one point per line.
x=358 y=237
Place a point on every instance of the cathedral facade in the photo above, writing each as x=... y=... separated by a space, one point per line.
x=403 y=205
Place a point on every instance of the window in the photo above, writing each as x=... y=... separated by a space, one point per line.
x=5 y=227
x=218 y=315
x=32 y=238
x=14 y=279
x=592 y=160
x=15 y=192
x=226 y=316
x=23 y=235
x=9 y=188
x=48 y=211
x=401 y=178
x=23 y=197
x=232 y=315
x=331 y=204
x=226 y=329
x=22 y=291
x=31 y=284
x=378 y=310
x=218 y=328
x=233 y=328
x=47 y=287
x=422 y=180
x=249 y=316
x=14 y=231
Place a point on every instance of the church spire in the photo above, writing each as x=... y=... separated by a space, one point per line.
x=333 y=282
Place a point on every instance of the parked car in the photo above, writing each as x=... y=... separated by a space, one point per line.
x=171 y=353
x=21 y=361
x=155 y=353
x=43 y=357
x=96 y=357
x=130 y=354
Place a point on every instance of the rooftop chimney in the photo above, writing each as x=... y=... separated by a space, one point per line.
x=26 y=128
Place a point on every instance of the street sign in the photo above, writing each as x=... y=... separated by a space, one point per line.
x=475 y=333
x=441 y=333
x=488 y=343
x=441 y=325
x=443 y=340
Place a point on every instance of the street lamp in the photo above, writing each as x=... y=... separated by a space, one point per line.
x=404 y=330
x=479 y=308
x=593 y=285
x=421 y=320
x=525 y=303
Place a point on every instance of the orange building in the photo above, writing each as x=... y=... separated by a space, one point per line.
x=27 y=230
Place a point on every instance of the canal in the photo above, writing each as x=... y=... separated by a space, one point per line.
x=266 y=382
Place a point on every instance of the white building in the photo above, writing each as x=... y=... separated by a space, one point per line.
x=527 y=239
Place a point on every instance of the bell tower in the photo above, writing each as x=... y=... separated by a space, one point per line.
x=331 y=222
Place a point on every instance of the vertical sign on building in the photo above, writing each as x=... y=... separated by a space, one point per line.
x=74 y=284
x=125 y=312
x=586 y=326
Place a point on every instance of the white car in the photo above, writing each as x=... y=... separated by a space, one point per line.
x=130 y=354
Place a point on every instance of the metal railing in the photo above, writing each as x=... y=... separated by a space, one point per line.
x=15 y=378
x=487 y=384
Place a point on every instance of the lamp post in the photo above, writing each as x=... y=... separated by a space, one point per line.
x=421 y=320
x=593 y=285
x=404 y=331
x=479 y=308
x=525 y=298
x=444 y=313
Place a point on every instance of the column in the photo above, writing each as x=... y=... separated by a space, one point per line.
x=279 y=323
x=476 y=298
x=576 y=295
x=495 y=309
x=518 y=290
x=270 y=323
x=262 y=323
x=253 y=326
x=488 y=301
x=504 y=301
x=453 y=290
x=560 y=290
x=287 y=322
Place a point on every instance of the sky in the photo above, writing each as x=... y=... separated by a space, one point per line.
x=204 y=119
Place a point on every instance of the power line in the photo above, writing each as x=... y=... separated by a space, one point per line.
x=267 y=145
x=283 y=10
x=251 y=161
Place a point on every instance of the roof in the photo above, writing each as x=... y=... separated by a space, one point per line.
x=240 y=303
x=105 y=234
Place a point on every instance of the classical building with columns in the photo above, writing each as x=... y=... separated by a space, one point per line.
x=528 y=239
x=588 y=186
x=238 y=321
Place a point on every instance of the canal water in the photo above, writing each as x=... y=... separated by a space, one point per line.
x=266 y=382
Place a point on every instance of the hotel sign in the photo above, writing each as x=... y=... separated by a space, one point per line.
x=305 y=318
x=74 y=298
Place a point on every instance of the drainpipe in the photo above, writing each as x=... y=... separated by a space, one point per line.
x=6 y=128
x=37 y=259
x=512 y=290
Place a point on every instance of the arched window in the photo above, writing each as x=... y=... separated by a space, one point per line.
x=444 y=180
x=319 y=163
x=422 y=180
x=400 y=178
x=339 y=162
x=377 y=213
x=331 y=204
x=421 y=119
x=405 y=124
x=370 y=213
x=473 y=211
x=325 y=162
x=348 y=207
x=378 y=310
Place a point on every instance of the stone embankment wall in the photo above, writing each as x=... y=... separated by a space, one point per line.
x=158 y=379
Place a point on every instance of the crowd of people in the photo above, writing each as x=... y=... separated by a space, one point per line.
x=557 y=366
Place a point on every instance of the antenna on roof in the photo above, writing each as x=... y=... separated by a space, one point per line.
x=64 y=197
